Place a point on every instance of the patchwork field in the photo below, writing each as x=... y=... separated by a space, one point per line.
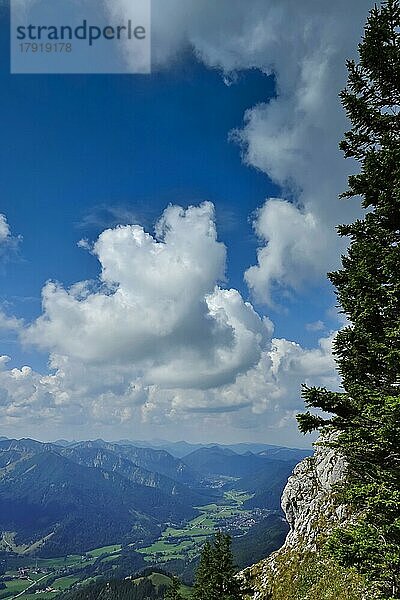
x=53 y=575
x=185 y=543
x=35 y=573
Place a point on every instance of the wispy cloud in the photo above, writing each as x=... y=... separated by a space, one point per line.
x=104 y=216
x=316 y=326
x=9 y=243
x=8 y=323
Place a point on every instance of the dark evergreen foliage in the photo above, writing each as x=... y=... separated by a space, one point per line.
x=117 y=590
x=172 y=592
x=366 y=415
x=215 y=576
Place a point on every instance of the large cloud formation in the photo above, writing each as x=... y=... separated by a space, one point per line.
x=79 y=398
x=294 y=137
x=158 y=307
x=157 y=340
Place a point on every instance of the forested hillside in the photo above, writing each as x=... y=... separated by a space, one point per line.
x=68 y=498
x=144 y=589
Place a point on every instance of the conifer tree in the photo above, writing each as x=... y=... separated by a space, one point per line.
x=215 y=576
x=203 y=578
x=366 y=416
x=172 y=592
x=226 y=585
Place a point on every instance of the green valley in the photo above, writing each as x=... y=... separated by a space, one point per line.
x=95 y=511
x=185 y=543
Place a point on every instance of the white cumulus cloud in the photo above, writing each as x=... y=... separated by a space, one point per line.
x=157 y=340
x=89 y=399
x=157 y=308
x=290 y=236
x=293 y=137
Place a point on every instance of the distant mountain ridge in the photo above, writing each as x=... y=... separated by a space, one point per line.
x=111 y=461
x=181 y=449
x=159 y=461
x=223 y=461
x=65 y=497
x=87 y=495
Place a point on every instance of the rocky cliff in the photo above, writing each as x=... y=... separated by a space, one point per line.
x=308 y=499
x=310 y=508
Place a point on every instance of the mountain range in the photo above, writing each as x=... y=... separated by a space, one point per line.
x=181 y=449
x=58 y=498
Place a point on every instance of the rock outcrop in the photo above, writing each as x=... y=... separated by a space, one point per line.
x=310 y=508
x=308 y=500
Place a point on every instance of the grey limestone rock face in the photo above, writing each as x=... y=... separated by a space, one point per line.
x=307 y=499
x=309 y=506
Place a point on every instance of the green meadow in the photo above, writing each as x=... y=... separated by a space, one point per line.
x=186 y=542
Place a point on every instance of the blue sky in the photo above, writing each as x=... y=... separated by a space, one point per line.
x=97 y=151
x=83 y=154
